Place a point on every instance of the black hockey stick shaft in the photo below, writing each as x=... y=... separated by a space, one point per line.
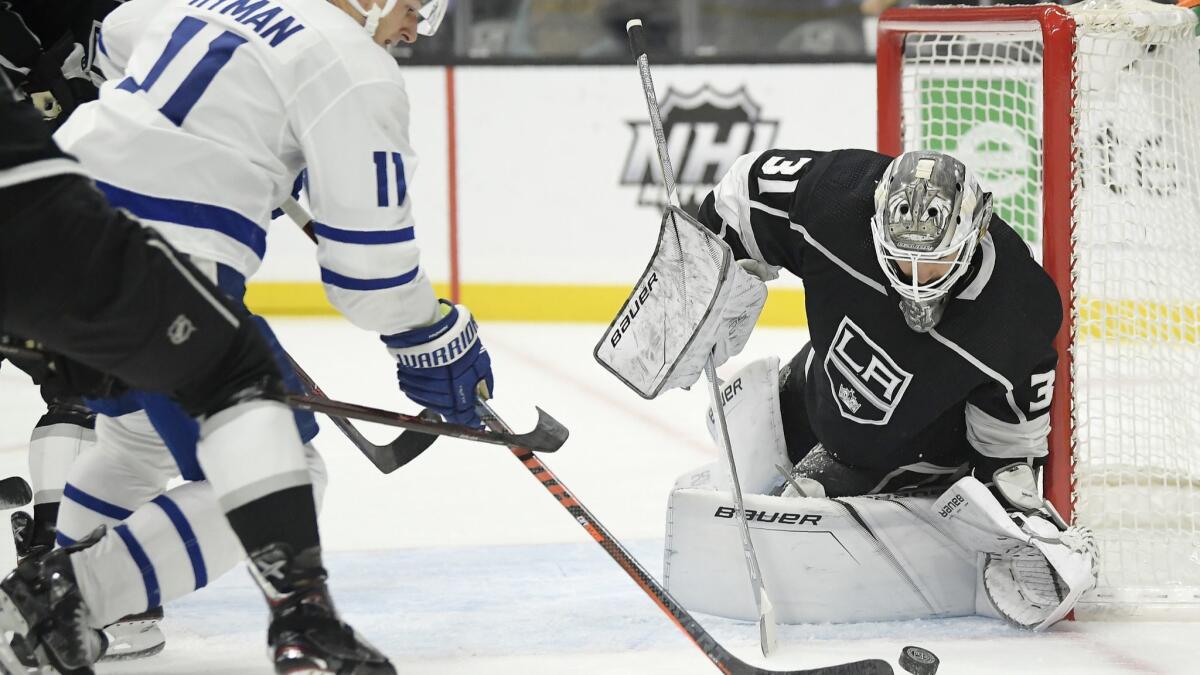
x=548 y=435
x=387 y=458
x=721 y=657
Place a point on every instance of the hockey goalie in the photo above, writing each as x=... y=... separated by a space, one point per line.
x=890 y=467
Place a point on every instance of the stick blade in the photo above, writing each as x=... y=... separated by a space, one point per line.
x=547 y=436
x=14 y=493
x=767 y=637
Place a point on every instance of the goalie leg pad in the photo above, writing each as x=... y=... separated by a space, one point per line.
x=751 y=402
x=824 y=560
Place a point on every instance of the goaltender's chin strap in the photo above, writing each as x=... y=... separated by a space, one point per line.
x=374 y=14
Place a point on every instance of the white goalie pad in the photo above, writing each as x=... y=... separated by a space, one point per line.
x=691 y=299
x=750 y=399
x=1033 y=573
x=824 y=560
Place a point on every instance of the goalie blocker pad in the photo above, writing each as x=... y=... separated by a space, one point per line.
x=690 y=299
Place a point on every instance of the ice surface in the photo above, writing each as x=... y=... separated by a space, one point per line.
x=462 y=563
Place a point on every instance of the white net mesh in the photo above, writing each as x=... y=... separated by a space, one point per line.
x=1136 y=259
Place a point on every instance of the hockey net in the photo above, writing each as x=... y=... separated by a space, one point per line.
x=1085 y=123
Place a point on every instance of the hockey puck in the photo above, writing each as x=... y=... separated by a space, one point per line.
x=918 y=661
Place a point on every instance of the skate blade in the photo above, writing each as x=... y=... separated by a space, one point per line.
x=135 y=640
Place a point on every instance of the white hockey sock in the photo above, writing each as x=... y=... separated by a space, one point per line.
x=177 y=543
x=250 y=451
x=52 y=450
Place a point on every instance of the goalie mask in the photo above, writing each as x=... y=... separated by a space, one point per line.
x=930 y=215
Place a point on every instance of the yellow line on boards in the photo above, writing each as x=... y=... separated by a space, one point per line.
x=1120 y=320
x=511 y=302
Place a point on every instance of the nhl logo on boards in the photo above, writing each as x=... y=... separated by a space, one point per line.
x=180 y=330
x=866 y=383
x=706 y=131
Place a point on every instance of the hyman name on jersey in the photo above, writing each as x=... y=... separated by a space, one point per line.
x=257 y=13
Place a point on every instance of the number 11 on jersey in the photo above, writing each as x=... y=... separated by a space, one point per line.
x=180 y=102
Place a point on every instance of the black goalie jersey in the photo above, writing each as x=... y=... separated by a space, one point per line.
x=878 y=394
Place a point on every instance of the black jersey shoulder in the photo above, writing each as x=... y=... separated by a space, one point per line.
x=1010 y=321
x=838 y=189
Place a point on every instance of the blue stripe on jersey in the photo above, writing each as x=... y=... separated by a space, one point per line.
x=352 y=284
x=381 y=187
x=190 y=542
x=401 y=186
x=192 y=214
x=96 y=504
x=220 y=50
x=100 y=43
x=355 y=237
x=183 y=33
x=149 y=578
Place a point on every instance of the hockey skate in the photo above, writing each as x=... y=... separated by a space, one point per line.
x=40 y=604
x=136 y=636
x=306 y=635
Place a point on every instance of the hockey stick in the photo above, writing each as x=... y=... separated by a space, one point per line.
x=387 y=458
x=766 y=611
x=14 y=493
x=547 y=435
x=721 y=658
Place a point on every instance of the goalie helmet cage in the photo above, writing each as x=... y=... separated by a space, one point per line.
x=1085 y=123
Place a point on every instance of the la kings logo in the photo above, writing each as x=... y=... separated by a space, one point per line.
x=867 y=383
x=706 y=131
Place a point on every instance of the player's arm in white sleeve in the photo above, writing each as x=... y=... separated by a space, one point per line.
x=359 y=167
x=118 y=34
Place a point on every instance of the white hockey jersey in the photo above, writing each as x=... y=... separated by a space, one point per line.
x=215 y=106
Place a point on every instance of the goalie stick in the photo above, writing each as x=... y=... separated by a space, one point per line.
x=721 y=657
x=766 y=612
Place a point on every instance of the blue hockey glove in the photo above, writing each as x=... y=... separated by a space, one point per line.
x=441 y=366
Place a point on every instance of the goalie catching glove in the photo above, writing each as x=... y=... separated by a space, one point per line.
x=1035 y=569
x=442 y=366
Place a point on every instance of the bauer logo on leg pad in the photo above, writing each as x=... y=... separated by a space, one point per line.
x=778 y=517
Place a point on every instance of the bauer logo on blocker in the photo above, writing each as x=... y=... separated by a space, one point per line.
x=867 y=383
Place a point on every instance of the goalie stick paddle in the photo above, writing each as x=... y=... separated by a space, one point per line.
x=766 y=611
x=721 y=657
x=14 y=493
x=387 y=458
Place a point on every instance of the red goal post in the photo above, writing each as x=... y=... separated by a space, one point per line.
x=1057 y=29
x=1085 y=123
